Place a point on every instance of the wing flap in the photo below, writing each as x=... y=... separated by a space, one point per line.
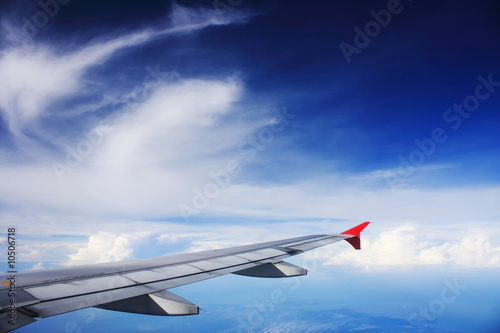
x=161 y=303
x=81 y=301
x=174 y=305
x=273 y=270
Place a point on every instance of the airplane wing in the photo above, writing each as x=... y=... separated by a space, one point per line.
x=139 y=286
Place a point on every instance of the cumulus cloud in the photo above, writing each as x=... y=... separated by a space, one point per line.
x=106 y=247
x=38 y=265
x=409 y=245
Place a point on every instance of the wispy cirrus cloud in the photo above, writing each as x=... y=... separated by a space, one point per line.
x=154 y=154
x=173 y=127
x=34 y=74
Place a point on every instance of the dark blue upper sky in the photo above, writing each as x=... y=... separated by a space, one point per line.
x=394 y=91
x=364 y=113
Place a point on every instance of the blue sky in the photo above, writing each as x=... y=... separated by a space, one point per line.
x=131 y=130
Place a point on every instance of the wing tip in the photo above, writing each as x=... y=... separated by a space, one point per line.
x=355 y=241
x=356 y=231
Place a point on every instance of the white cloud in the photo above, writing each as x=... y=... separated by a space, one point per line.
x=409 y=245
x=106 y=247
x=383 y=248
x=38 y=265
x=186 y=19
x=154 y=156
x=352 y=197
x=172 y=125
x=36 y=75
x=168 y=141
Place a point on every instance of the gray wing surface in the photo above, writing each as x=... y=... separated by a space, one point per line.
x=139 y=286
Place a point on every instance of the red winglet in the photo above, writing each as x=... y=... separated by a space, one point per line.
x=356 y=231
